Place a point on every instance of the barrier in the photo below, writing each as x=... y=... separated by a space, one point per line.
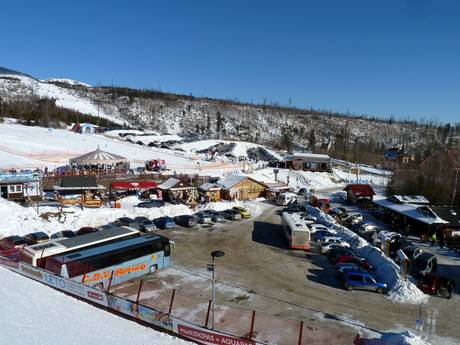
x=189 y=316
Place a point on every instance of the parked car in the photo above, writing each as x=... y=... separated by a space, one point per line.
x=355 y=260
x=318 y=227
x=185 y=220
x=146 y=225
x=231 y=214
x=215 y=216
x=330 y=239
x=244 y=213
x=318 y=236
x=326 y=247
x=86 y=230
x=362 y=281
x=333 y=254
x=12 y=242
x=106 y=227
x=64 y=234
x=352 y=218
x=151 y=203
x=203 y=218
x=295 y=208
x=367 y=230
x=411 y=252
x=164 y=223
x=422 y=264
x=126 y=221
x=36 y=237
x=307 y=218
x=435 y=284
x=342 y=267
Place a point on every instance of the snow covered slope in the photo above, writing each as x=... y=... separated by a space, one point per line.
x=24 y=146
x=33 y=313
x=20 y=86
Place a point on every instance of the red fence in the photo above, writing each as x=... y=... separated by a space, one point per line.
x=231 y=320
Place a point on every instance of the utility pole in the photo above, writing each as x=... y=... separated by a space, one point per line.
x=455 y=186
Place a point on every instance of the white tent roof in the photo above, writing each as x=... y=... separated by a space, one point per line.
x=98 y=157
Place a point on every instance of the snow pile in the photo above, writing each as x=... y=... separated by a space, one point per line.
x=404 y=338
x=385 y=269
x=41 y=315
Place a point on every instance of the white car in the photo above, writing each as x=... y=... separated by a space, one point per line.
x=329 y=246
x=317 y=227
x=330 y=239
x=353 y=218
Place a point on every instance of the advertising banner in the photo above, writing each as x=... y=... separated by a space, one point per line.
x=140 y=312
x=206 y=336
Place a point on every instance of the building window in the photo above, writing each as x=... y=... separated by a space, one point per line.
x=10 y=189
x=19 y=189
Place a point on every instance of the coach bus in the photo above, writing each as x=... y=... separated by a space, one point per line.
x=295 y=231
x=37 y=254
x=113 y=263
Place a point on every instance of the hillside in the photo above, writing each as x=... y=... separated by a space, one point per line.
x=167 y=113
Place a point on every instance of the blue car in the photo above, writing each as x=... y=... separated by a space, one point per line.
x=360 y=280
x=164 y=223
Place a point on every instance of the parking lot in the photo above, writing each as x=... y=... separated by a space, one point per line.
x=258 y=272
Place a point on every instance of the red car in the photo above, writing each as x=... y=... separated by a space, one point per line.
x=435 y=284
x=354 y=260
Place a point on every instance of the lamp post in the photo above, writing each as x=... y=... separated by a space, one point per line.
x=211 y=267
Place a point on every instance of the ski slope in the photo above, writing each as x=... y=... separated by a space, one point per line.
x=31 y=147
x=33 y=313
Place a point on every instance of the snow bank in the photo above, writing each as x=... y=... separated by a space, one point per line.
x=33 y=313
x=385 y=269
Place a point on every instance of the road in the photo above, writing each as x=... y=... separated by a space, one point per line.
x=286 y=283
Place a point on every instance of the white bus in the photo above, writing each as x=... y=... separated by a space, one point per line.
x=295 y=231
x=37 y=254
x=115 y=262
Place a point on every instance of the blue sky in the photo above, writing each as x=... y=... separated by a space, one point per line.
x=384 y=58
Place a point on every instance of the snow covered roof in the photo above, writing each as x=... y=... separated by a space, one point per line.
x=420 y=213
x=231 y=180
x=409 y=199
x=311 y=156
x=174 y=183
x=98 y=157
x=209 y=186
x=360 y=189
x=78 y=183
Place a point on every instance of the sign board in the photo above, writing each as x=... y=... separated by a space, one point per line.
x=206 y=336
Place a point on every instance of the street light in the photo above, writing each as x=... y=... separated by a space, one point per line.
x=211 y=267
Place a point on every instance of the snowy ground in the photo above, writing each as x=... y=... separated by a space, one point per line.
x=19 y=220
x=41 y=315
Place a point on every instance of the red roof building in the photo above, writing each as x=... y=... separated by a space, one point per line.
x=357 y=191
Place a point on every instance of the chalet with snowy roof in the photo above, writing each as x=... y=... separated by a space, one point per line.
x=79 y=190
x=307 y=162
x=20 y=185
x=238 y=187
x=396 y=157
x=178 y=192
x=412 y=214
x=273 y=189
x=359 y=191
x=211 y=191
